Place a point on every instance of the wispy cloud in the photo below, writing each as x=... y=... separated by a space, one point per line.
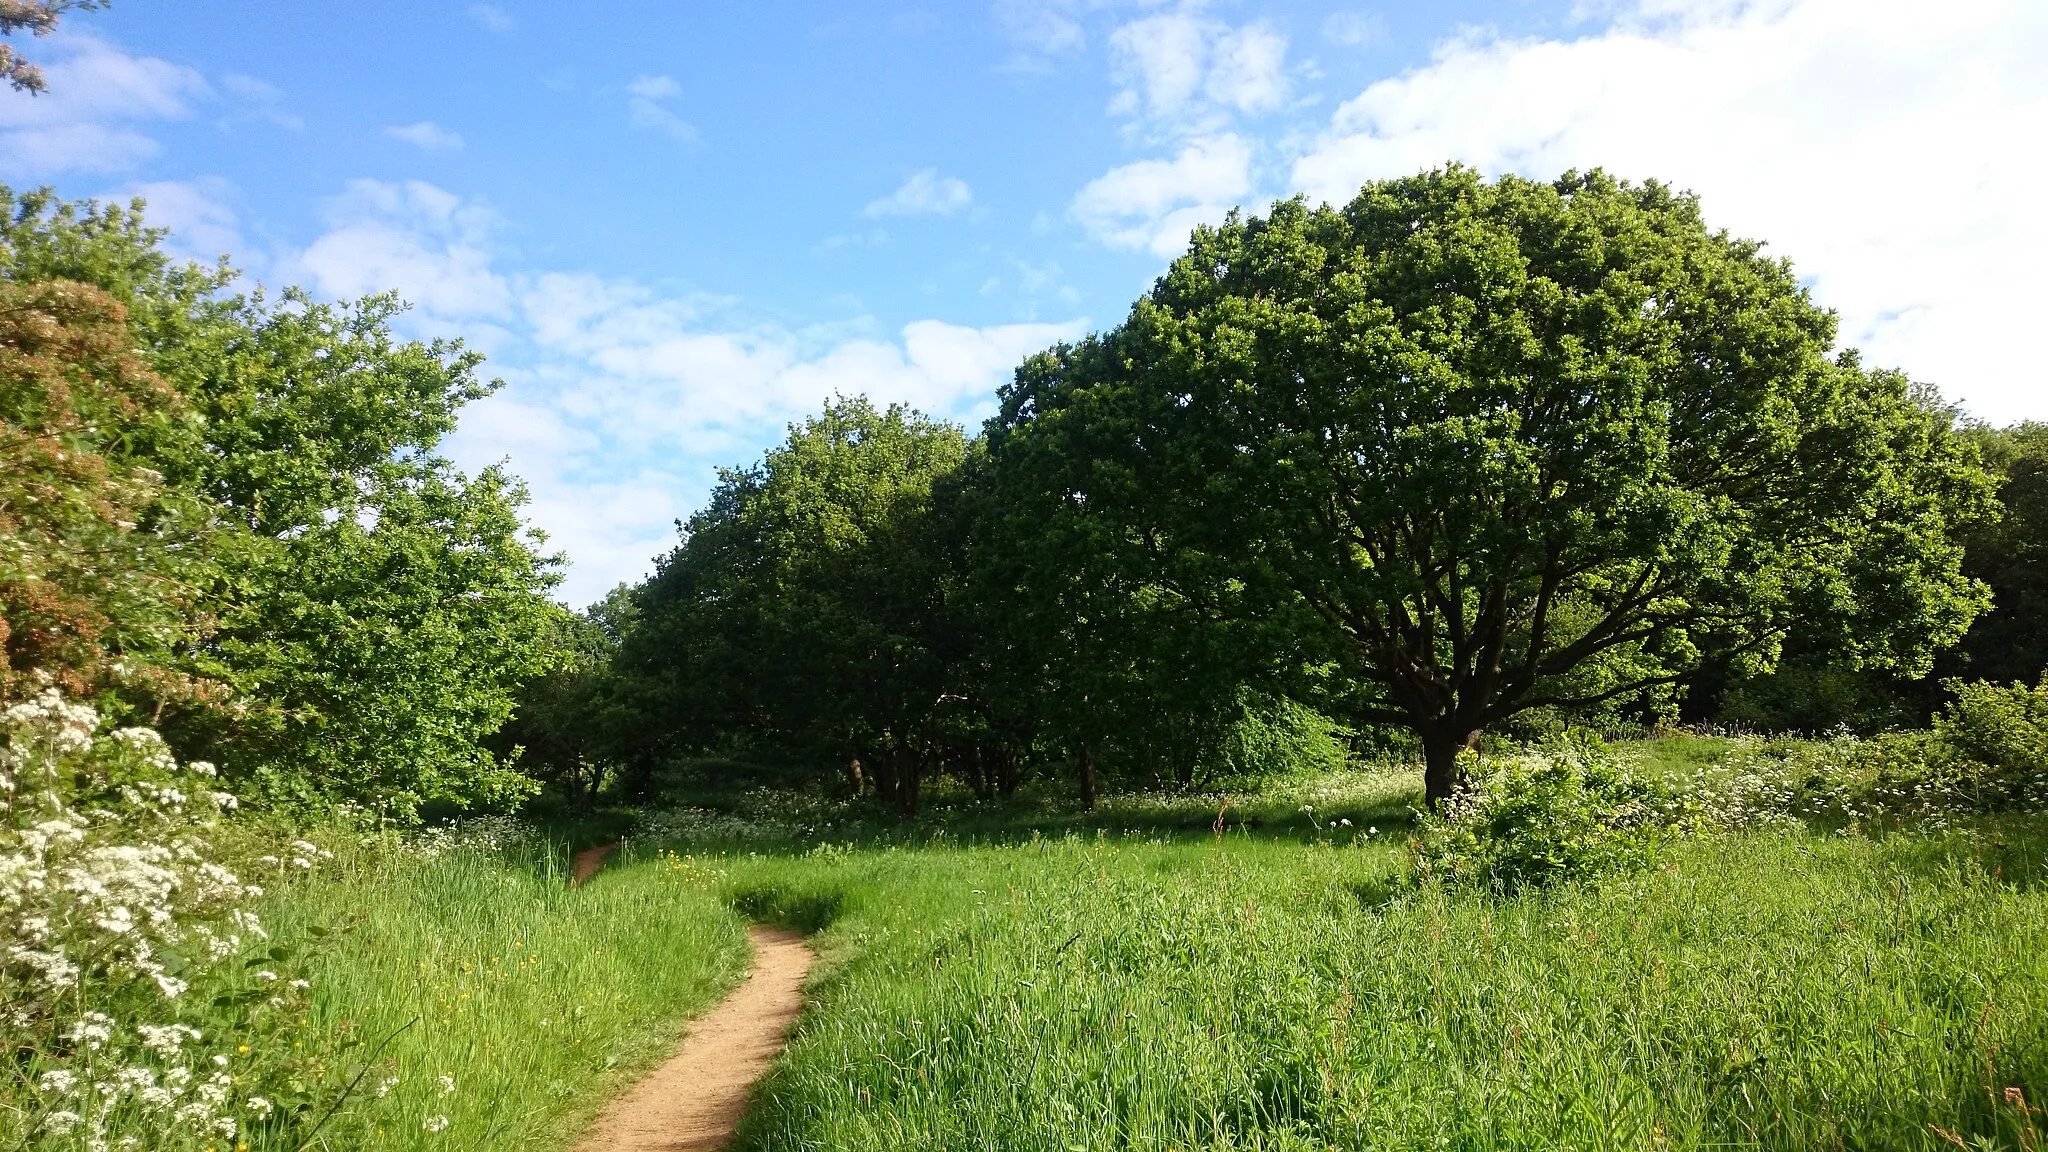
x=1354 y=29
x=646 y=104
x=926 y=193
x=425 y=134
x=93 y=118
x=1152 y=205
x=622 y=400
x=202 y=224
x=492 y=17
x=1185 y=73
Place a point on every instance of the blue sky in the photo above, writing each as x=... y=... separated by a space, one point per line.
x=676 y=227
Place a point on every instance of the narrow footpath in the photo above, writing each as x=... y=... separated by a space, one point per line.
x=694 y=1101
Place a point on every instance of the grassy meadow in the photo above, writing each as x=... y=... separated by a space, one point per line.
x=1134 y=979
x=1774 y=991
x=478 y=1002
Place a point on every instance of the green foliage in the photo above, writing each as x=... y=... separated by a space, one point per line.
x=2000 y=735
x=1279 y=739
x=561 y=732
x=810 y=606
x=1569 y=812
x=370 y=608
x=1493 y=446
x=2010 y=554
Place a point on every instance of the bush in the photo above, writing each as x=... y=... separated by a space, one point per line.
x=1998 y=737
x=129 y=1014
x=1565 y=812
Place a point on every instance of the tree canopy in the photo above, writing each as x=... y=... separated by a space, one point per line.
x=1488 y=446
x=228 y=512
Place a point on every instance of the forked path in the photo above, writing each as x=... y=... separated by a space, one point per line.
x=693 y=1103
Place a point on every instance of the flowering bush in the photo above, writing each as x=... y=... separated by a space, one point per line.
x=130 y=1010
x=1563 y=812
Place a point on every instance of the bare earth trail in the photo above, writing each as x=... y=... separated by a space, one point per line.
x=585 y=864
x=694 y=1101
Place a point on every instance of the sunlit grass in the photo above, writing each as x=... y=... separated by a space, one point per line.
x=532 y=1000
x=1772 y=990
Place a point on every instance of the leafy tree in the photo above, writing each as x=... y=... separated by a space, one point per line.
x=1486 y=447
x=2009 y=643
x=39 y=18
x=89 y=579
x=559 y=732
x=371 y=608
x=807 y=602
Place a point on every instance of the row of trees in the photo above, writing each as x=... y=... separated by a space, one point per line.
x=1452 y=455
x=224 y=514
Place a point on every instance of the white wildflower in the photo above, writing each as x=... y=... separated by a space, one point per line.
x=435 y=1123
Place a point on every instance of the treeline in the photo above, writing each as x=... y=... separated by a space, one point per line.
x=223 y=514
x=1458 y=458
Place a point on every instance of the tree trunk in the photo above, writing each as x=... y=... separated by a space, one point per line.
x=1087 y=779
x=907 y=773
x=853 y=780
x=1441 y=775
x=1006 y=774
x=885 y=776
x=977 y=761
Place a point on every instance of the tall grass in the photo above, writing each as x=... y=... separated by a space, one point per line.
x=1772 y=990
x=533 y=1000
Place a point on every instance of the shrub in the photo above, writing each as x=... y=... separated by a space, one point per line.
x=1564 y=812
x=129 y=1013
x=1999 y=738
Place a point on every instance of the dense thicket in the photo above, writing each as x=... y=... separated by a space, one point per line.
x=227 y=513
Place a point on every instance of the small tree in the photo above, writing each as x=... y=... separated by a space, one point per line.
x=1486 y=447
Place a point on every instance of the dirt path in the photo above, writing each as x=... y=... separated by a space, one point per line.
x=585 y=864
x=694 y=1102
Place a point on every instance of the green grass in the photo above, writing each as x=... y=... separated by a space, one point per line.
x=1768 y=991
x=538 y=1000
x=1043 y=979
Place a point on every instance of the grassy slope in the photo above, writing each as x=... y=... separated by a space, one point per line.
x=538 y=1000
x=1774 y=990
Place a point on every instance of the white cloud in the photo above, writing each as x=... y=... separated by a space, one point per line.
x=89 y=119
x=425 y=134
x=1880 y=144
x=1154 y=204
x=203 y=226
x=621 y=401
x=1354 y=29
x=926 y=193
x=646 y=108
x=1188 y=73
x=491 y=16
x=413 y=238
x=1043 y=27
x=1250 y=69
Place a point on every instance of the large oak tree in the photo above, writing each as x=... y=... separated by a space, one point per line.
x=1488 y=446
